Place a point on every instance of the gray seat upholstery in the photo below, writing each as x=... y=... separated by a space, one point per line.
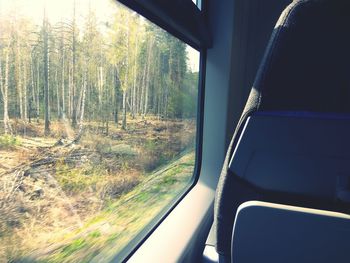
x=305 y=73
x=305 y=156
x=274 y=233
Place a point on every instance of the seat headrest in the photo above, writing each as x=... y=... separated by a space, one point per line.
x=268 y=232
x=307 y=63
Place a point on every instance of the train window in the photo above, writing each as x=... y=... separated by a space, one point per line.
x=98 y=111
x=198 y=3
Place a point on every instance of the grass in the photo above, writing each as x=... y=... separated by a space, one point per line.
x=95 y=178
x=75 y=180
x=73 y=247
x=101 y=237
x=97 y=195
x=8 y=141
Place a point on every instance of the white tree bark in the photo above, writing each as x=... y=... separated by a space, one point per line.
x=149 y=58
x=25 y=99
x=19 y=83
x=82 y=111
x=4 y=91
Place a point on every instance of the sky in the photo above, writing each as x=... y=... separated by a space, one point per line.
x=58 y=10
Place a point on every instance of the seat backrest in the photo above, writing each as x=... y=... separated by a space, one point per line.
x=274 y=233
x=305 y=69
x=302 y=156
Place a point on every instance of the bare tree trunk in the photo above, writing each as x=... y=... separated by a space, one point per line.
x=165 y=102
x=74 y=95
x=33 y=87
x=19 y=83
x=69 y=91
x=159 y=105
x=63 y=109
x=126 y=82
x=80 y=99
x=124 y=109
x=82 y=111
x=1 y=80
x=57 y=95
x=63 y=87
x=149 y=57
x=133 y=99
x=146 y=97
x=116 y=94
x=25 y=92
x=143 y=87
x=37 y=93
x=4 y=91
x=46 y=77
x=138 y=92
x=100 y=90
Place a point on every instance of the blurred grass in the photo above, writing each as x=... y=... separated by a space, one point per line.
x=105 y=234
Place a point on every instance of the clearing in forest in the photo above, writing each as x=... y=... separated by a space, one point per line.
x=63 y=201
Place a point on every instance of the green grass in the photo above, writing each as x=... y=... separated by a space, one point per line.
x=74 y=246
x=95 y=234
x=75 y=180
x=8 y=142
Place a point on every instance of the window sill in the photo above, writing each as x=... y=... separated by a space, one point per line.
x=182 y=232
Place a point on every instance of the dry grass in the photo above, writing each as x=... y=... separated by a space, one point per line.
x=53 y=197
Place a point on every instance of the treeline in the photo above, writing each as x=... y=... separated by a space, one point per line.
x=125 y=68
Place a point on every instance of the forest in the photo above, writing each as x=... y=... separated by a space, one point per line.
x=92 y=72
x=98 y=110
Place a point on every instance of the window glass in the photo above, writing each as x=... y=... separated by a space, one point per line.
x=98 y=127
x=198 y=3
